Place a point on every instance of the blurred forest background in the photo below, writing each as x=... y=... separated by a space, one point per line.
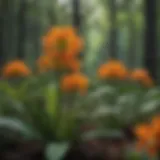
x=124 y=29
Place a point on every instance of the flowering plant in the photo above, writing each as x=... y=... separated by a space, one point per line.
x=41 y=103
x=53 y=100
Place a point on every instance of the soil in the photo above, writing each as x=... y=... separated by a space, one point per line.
x=90 y=150
x=29 y=150
x=96 y=150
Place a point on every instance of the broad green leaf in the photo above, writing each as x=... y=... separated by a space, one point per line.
x=51 y=100
x=103 y=134
x=103 y=91
x=15 y=125
x=62 y=124
x=152 y=93
x=56 y=151
x=105 y=110
x=11 y=106
x=150 y=106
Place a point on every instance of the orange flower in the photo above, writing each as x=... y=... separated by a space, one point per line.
x=146 y=138
x=58 y=63
x=74 y=65
x=65 y=62
x=156 y=129
x=142 y=76
x=62 y=40
x=113 y=69
x=74 y=82
x=143 y=132
x=44 y=63
x=149 y=136
x=156 y=123
x=62 y=46
x=15 y=68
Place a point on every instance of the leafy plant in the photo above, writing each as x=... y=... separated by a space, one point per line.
x=53 y=103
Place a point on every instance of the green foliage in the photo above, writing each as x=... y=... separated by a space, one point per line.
x=122 y=105
x=36 y=108
x=59 y=149
x=103 y=134
x=37 y=101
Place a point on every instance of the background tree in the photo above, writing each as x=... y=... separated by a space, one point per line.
x=113 y=46
x=111 y=28
x=151 y=54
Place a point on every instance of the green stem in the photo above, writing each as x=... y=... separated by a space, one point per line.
x=59 y=113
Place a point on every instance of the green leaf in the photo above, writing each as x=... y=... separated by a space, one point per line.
x=103 y=134
x=51 y=100
x=150 y=106
x=62 y=124
x=11 y=106
x=56 y=151
x=16 y=126
x=103 y=91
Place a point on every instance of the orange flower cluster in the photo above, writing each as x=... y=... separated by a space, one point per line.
x=61 y=49
x=74 y=82
x=115 y=69
x=142 y=76
x=15 y=68
x=148 y=136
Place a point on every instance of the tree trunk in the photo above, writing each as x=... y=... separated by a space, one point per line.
x=150 y=38
x=132 y=35
x=113 y=29
x=22 y=24
x=76 y=14
x=33 y=31
x=4 y=8
x=77 y=19
x=22 y=29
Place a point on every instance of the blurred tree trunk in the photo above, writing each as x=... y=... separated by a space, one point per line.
x=12 y=29
x=113 y=46
x=22 y=23
x=33 y=31
x=77 y=19
x=132 y=34
x=22 y=29
x=151 y=54
x=3 y=9
x=52 y=13
x=76 y=14
x=9 y=28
